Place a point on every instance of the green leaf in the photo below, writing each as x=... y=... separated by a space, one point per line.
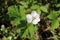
x=25 y=34
x=14 y=15
x=44 y=8
x=34 y=7
x=58 y=5
x=53 y=15
x=13 y=11
x=32 y=29
x=29 y=32
x=59 y=19
x=55 y=24
x=25 y=4
x=15 y=22
x=22 y=13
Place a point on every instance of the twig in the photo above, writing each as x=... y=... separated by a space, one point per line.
x=54 y=36
x=37 y=36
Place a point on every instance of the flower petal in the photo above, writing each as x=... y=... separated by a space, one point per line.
x=35 y=14
x=35 y=21
x=38 y=19
x=29 y=18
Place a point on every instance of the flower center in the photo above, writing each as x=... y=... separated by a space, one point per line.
x=33 y=17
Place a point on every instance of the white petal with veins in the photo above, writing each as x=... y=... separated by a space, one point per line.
x=38 y=19
x=33 y=13
x=37 y=16
x=29 y=18
x=35 y=21
x=34 y=17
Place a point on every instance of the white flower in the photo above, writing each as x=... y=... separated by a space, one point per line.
x=2 y=27
x=33 y=17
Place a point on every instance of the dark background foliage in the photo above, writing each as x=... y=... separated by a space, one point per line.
x=15 y=21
